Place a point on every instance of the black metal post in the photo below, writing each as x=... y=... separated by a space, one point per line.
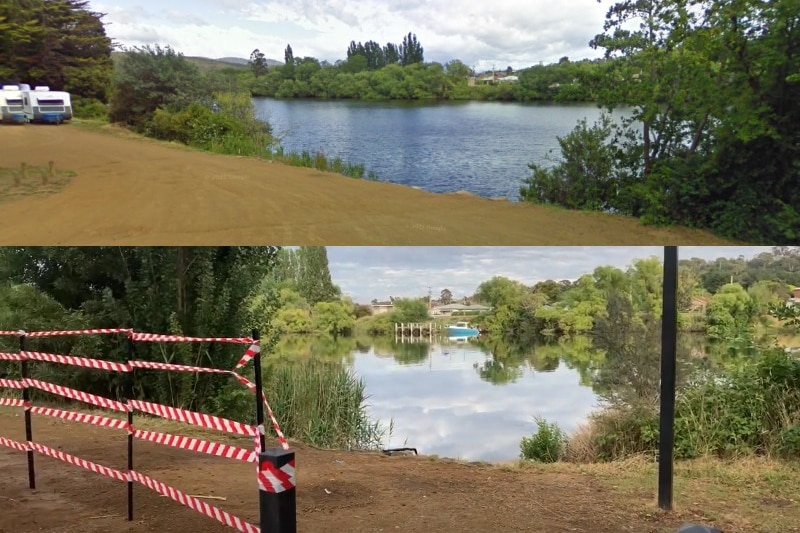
x=669 y=341
x=26 y=397
x=277 y=501
x=259 y=392
x=129 y=393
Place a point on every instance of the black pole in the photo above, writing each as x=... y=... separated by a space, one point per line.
x=129 y=392
x=259 y=392
x=669 y=341
x=26 y=397
x=277 y=504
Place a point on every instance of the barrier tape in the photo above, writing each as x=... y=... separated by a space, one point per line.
x=71 y=416
x=252 y=386
x=77 y=461
x=65 y=333
x=194 y=418
x=197 y=445
x=76 y=361
x=276 y=480
x=248 y=355
x=175 y=368
x=12 y=384
x=13 y=402
x=154 y=337
x=194 y=503
x=18 y=333
x=73 y=394
x=11 y=357
x=8 y=443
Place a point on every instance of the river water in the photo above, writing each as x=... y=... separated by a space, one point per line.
x=480 y=147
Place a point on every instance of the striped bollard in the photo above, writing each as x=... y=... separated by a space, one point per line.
x=277 y=492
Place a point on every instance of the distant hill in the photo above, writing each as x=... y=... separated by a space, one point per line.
x=242 y=61
x=206 y=63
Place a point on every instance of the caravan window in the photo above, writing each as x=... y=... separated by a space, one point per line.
x=14 y=101
x=43 y=101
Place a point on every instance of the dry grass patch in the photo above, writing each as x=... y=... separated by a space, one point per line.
x=32 y=180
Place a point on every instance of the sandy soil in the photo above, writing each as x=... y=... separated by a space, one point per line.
x=337 y=491
x=133 y=191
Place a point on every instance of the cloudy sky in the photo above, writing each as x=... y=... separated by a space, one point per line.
x=367 y=272
x=517 y=33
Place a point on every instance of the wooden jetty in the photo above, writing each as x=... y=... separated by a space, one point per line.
x=415 y=329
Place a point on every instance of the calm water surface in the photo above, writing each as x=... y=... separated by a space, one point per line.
x=480 y=147
x=454 y=402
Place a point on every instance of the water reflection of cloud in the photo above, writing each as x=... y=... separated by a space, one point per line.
x=450 y=411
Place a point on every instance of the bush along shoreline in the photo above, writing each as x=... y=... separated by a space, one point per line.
x=750 y=409
x=185 y=105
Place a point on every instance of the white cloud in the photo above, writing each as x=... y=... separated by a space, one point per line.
x=379 y=272
x=504 y=32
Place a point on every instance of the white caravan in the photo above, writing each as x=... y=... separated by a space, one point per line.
x=43 y=105
x=11 y=103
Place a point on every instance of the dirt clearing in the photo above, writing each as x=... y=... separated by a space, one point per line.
x=133 y=191
x=366 y=492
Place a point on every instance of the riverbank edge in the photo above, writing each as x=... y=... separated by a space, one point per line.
x=754 y=494
x=105 y=127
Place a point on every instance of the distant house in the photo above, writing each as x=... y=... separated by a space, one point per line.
x=450 y=309
x=379 y=308
x=508 y=79
x=699 y=304
x=794 y=296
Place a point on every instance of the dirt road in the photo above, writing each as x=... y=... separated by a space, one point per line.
x=133 y=191
x=337 y=491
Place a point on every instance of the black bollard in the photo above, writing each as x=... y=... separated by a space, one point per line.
x=277 y=492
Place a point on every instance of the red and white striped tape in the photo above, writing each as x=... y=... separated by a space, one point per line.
x=11 y=384
x=11 y=357
x=197 y=445
x=272 y=479
x=77 y=461
x=175 y=368
x=155 y=337
x=8 y=443
x=194 y=418
x=73 y=394
x=71 y=416
x=65 y=333
x=77 y=361
x=13 y=402
x=252 y=386
x=195 y=504
x=248 y=355
x=18 y=333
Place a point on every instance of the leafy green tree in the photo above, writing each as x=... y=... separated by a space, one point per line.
x=147 y=78
x=730 y=312
x=500 y=291
x=446 y=297
x=258 y=63
x=333 y=318
x=409 y=310
x=411 y=50
x=58 y=43
x=391 y=53
x=288 y=63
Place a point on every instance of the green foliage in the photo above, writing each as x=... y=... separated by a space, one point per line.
x=585 y=178
x=322 y=404
x=409 y=310
x=321 y=162
x=547 y=445
x=711 y=128
x=148 y=78
x=751 y=408
x=58 y=43
x=258 y=63
x=333 y=317
x=185 y=291
x=89 y=108
x=730 y=312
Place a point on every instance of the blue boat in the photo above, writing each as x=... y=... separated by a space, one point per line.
x=462 y=329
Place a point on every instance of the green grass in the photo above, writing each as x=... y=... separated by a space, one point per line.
x=321 y=162
x=322 y=404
